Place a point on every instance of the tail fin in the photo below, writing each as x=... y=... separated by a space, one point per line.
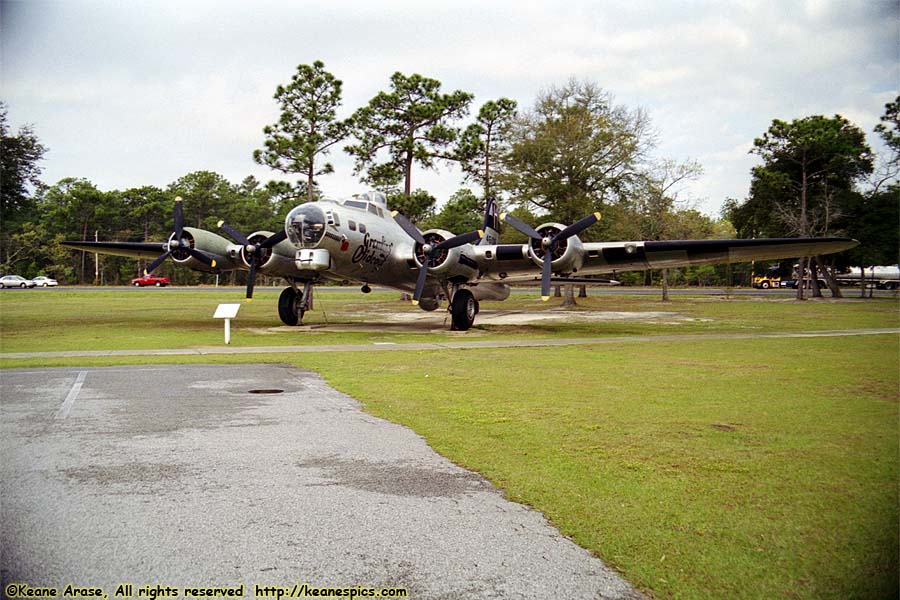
x=491 y=225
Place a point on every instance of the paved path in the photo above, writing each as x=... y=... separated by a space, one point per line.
x=512 y=343
x=182 y=476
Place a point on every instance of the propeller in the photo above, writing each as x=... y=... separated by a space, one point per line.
x=549 y=243
x=255 y=253
x=178 y=245
x=431 y=251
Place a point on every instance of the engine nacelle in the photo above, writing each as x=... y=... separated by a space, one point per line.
x=276 y=261
x=568 y=255
x=211 y=244
x=449 y=264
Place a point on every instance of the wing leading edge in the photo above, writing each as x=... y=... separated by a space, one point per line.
x=149 y=250
x=683 y=253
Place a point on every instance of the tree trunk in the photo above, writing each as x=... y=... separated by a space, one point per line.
x=557 y=292
x=829 y=278
x=582 y=291
x=665 y=285
x=569 y=299
x=407 y=187
x=801 y=278
x=814 y=280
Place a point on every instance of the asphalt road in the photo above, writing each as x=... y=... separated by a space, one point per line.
x=182 y=476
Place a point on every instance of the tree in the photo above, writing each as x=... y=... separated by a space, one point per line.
x=575 y=151
x=417 y=206
x=307 y=127
x=76 y=208
x=19 y=157
x=206 y=195
x=412 y=123
x=462 y=212
x=807 y=163
x=484 y=140
x=889 y=130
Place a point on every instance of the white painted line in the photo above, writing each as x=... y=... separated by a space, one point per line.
x=63 y=411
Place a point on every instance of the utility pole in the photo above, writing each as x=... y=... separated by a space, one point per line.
x=96 y=260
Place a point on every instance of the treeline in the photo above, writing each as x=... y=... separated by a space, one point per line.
x=574 y=152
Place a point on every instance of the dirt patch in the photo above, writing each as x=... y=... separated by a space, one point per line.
x=439 y=321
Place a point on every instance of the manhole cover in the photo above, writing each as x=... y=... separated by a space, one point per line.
x=272 y=391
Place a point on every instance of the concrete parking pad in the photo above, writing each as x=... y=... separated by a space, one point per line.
x=261 y=475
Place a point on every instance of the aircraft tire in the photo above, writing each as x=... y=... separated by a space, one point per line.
x=463 y=310
x=287 y=306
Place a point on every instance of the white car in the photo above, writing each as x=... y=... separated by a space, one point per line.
x=9 y=281
x=42 y=281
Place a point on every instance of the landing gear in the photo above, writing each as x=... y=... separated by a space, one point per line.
x=463 y=309
x=292 y=304
x=288 y=309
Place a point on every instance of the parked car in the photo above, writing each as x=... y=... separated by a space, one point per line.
x=42 y=281
x=9 y=281
x=150 y=280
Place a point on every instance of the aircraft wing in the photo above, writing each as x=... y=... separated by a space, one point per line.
x=624 y=256
x=512 y=262
x=148 y=250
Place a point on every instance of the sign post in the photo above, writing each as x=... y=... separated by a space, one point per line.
x=227 y=312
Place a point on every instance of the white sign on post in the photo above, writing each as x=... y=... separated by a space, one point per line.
x=227 y=312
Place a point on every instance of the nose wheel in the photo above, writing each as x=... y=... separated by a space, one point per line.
x=463 y=309
x=293 y=304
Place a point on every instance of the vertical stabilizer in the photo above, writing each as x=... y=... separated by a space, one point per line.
x=491 y=224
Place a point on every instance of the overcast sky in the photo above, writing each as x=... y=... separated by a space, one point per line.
x=141 y=92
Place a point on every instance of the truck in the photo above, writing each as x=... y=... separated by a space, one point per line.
x=883 y=277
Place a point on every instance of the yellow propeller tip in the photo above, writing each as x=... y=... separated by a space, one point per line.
x=248 y=300
x=480 y=233
x=596 y=214
x=394 y=213
x=415 y=302
x=544 y=298
x=177 y=198
x=503 y=216
x=219 y=224
x=213 y=264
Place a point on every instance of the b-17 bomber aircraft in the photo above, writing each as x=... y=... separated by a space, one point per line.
x=360 y=240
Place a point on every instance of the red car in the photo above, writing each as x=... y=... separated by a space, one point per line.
x=150 y=280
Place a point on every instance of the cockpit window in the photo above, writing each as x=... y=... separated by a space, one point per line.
x=305 y=225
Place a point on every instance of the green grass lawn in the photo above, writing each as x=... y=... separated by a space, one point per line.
x=752 y=468
x=62 y=319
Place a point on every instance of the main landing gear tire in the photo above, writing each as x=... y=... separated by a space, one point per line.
x=463 y=310
x=288 y=310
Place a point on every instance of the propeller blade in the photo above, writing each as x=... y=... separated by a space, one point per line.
x=578 y=227
x=459 y=240
x=410 y=229
x=420 y=281
x=156 y=263
x=545 y=276
x=274 y=239
x=251 y=280
x=179 y=219
x=201 y=257
x=521 y=226
x=234 y=233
